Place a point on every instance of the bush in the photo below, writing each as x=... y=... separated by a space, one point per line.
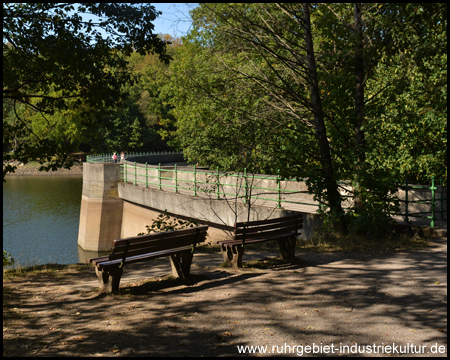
x=7 y=259
x=165 y=222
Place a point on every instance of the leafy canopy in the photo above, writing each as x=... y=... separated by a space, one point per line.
x=56 y=59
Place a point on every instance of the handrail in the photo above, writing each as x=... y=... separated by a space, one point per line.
x=107 y=157
x=204 y=183
x=271 y=188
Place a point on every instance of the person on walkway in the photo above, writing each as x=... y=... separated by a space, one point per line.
x=114 y=157
x=122 y=157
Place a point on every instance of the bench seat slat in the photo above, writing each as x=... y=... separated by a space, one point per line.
x=262 y=238
x=151 y=250
x=113 y=263
x=163 y=235
x=268 y=233
x=97 y=260
x=159 y=244
x=268 y=221
x=251 y=229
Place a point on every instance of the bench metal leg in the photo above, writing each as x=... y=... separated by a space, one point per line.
x=181 y=264
x=227 y=254
x=115 y=275
x=233 y=255
x=103 y=278
x=109 y=280
x=287 y=249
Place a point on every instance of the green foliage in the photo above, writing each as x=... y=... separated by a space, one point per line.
x=240 y=90
x=62 y=76
x=165 y=222
x=7 y=259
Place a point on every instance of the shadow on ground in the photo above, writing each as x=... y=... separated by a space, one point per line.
x=395 y=298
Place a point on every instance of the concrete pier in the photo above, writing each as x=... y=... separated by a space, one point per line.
x=101 y=207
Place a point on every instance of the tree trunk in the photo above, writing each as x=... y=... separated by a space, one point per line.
x=359 y=106
x=333 y=196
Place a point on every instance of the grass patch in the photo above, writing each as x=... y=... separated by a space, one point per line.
x=50 y=269
x=401 y=238
x=273 y=262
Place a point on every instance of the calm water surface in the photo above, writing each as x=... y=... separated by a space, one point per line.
x=40 y=219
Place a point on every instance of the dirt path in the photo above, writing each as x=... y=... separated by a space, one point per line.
x=340 y=299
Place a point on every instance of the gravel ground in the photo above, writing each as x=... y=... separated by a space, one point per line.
x=351 y=301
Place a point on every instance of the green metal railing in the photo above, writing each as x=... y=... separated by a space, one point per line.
x=247 y=186
x=210 y=183
x=431 y=214
x=107 y=157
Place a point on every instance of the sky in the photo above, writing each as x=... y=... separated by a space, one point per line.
x=175 y=19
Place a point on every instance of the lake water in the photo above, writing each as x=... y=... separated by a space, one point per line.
x=40 y=219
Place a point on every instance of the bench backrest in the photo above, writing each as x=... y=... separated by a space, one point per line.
x=268 y=228
x=138 y=245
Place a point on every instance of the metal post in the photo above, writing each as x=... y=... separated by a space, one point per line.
x=159 y=176
x=279 y=189
x=433 y=202
x=218 y=183
x=135 y=174
x=146 y=175
x=195 y=180
x=245 y=185
x=176 y=179
x=406 y=199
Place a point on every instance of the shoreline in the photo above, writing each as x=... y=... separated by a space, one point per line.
x=33 y=170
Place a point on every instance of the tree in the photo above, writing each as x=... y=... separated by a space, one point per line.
x=154 y=94
x=55 y=59
x=407 y=95
x=306 y=69
x=267 y=49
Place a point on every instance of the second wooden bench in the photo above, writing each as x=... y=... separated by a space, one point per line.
x=285 y=230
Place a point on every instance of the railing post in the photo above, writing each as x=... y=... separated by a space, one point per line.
x=406 y=200
x=245 y=186
x=433 y=202
x=195 y=180
x=279 y=189
x=146 y=175
x=218 y=184
x=176 y=179
x=135 y=174
x=159 y=176
x=126 y=171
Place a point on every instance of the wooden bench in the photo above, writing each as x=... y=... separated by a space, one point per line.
x=178 y=244
x=284 y=230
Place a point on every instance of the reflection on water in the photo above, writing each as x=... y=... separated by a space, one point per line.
x=40 y=219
